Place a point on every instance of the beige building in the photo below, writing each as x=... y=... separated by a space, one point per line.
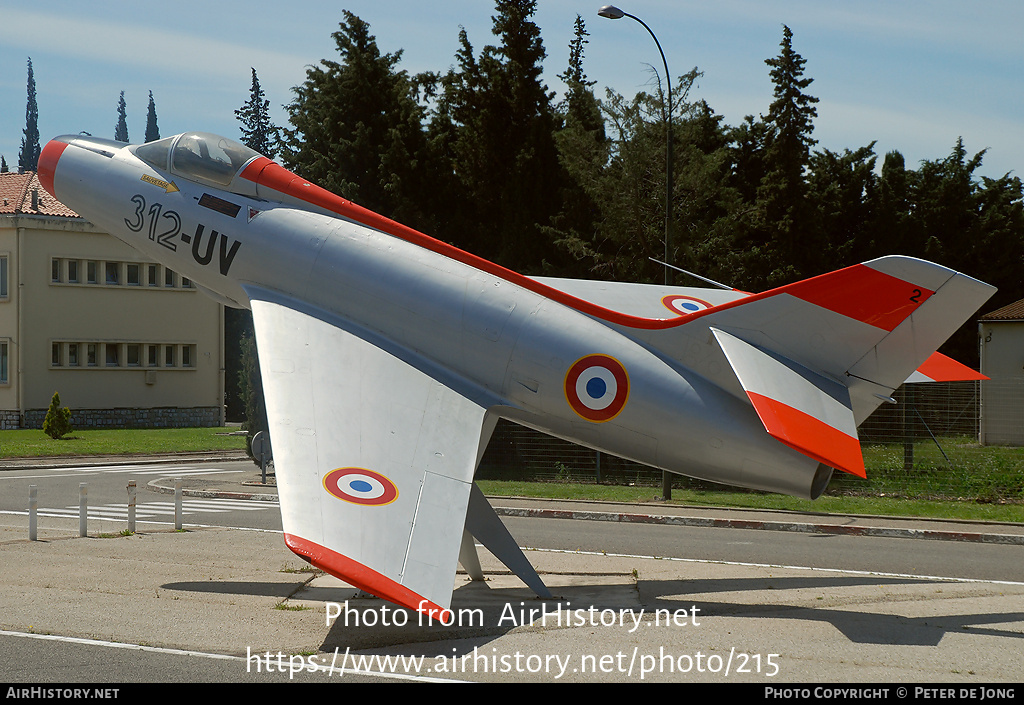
x=126 y=342
x=1002 y=360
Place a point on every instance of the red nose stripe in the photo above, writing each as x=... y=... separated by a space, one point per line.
x=47 y=167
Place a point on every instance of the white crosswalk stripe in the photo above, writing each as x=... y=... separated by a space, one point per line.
x=156 y=509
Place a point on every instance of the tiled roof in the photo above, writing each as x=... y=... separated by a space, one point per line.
x=1012 y=312
x=18 y=191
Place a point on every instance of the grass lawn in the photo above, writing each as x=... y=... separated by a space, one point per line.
x=986 y=466
x=878 y=506
x=24 y=443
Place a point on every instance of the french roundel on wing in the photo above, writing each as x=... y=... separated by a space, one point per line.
x=597 y=387
x=360 y=486
x=684 y=305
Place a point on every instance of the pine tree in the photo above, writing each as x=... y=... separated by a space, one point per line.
x=582 y=151
x=121 y=130
x=152 y=131
x=785 y=223
x=580 y=106
x=258 y=131
x=28 y=158
x=244 y=388
x=497 y=119
x=358 y=129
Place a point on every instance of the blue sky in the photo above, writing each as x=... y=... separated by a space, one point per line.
x=911 y=75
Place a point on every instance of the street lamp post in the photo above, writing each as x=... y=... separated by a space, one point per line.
x=614 y=13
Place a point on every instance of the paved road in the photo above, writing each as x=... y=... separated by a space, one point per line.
x=808 y=607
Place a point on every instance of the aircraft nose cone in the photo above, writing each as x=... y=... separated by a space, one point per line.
x=48 y=159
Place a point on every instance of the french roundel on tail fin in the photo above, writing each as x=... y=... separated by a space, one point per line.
x=798 y=407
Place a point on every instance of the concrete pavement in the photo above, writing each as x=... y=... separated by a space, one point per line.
x=613 y=619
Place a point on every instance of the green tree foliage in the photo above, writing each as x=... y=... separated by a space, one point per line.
x=121 y=129
x=624 y=177
x=244 y=392
x=576 y=188
x=57 y=422
x=28 y=158
x=583 y=150
x=496 y=120
x=357 y=128
x=782 y=223
x=258 y=130
x=152 y=130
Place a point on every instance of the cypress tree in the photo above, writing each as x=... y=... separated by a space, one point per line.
x=152 y=131
x=121 y=130
x=28 y=158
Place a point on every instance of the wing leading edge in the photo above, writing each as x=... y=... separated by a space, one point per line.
x=374 y=458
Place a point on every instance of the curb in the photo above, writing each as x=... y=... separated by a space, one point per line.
x=807 y=528
x=84 y=461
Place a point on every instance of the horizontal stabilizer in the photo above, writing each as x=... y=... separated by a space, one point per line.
x=798 y=407
x=939 y=368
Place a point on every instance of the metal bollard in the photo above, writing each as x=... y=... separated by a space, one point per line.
x=177 y=504
x=83 y=507
x=33 y=507
x=131 y=506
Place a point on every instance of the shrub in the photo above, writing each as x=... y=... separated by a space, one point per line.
x=57 y=423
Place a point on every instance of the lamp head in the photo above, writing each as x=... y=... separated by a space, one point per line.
x=611 y=12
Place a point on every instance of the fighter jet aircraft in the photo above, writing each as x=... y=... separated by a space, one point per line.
x=388 y=356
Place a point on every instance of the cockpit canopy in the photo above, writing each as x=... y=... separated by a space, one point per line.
x=198 y=156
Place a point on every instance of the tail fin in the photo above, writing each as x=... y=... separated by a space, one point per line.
x=815 y=358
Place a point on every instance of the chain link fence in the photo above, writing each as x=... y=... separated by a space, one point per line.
x=927 y=445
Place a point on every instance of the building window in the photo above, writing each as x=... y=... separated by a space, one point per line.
x=153 y=355
x=112 y=349
x=90 y=353
x=169 y=277
x=55 y=270
x=151 y=277
x=73 y=271
x=113 y=270
x=92 y=272
x=73 y=354
x=3 y=276
x=3 y=362
x=168 y=356
x=134 y=274
x=186 y=356
x=134 y=352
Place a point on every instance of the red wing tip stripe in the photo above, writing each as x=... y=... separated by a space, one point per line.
x=809 y=435
x=940 y=368
x=367 y=579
